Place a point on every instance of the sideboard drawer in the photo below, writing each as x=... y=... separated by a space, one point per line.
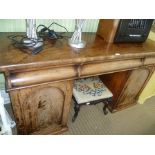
x=24 y=79
x=107 y=67
x=149 y=61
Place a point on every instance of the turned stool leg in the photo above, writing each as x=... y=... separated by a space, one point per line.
x=76 y=109
x=105 y=111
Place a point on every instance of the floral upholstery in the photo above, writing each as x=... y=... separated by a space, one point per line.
x=90 y=89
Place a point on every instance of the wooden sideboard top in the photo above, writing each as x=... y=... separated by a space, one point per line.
x=60 y=53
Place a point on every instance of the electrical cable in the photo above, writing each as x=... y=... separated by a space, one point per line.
x=58 y=25
x=17 y=41
x=50 y=33
x=31 y=44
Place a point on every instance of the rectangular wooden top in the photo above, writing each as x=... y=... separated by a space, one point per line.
x=60 y=53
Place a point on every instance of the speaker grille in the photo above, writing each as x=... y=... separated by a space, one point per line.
x=137 y=23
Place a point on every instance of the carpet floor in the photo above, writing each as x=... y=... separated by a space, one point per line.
x=136 y=120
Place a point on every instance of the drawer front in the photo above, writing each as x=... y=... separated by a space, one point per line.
x=149 y=61
x=24 y=79
x=107 y=67
x=31 y=78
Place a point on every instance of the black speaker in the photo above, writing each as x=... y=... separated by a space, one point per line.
x=124 y=30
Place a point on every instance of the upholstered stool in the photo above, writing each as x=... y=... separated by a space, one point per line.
x=90 y=91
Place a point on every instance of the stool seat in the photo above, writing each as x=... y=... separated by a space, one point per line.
x=90 y=89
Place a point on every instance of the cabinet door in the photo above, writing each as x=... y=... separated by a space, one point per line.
x=115 y=82
x=134 y=85
x=126 y=86
x=42 y=109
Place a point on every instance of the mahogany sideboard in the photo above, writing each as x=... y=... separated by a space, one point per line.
x=40 y=86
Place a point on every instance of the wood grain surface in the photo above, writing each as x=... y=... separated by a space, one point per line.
x=40 y=108
x=107 y=29
x=60 y=53
x=126 y=86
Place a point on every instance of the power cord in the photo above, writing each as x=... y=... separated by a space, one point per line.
x=58 y=25
x=36 y=45
x=22 y=42
x=46 y=32
x=17 y=40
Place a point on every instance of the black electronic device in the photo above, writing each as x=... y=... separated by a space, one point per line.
x=124 y=30
x=133 y=30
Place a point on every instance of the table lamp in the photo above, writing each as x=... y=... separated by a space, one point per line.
x=76 y=39
x=32 y=42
